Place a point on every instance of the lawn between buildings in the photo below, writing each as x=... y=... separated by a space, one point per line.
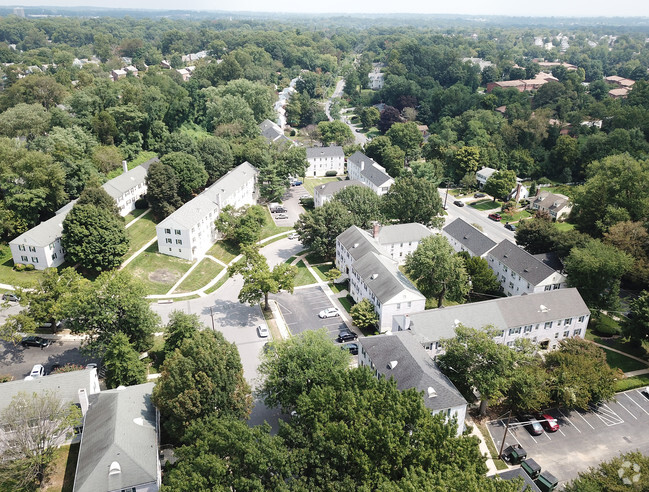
x=200 y=276
x=140 y=233
x=158 y=272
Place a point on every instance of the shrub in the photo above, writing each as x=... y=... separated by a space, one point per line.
x=19 y=267
x=331 y=173
x=141 y=204
x=29 y=267
x=293 y=133
x=5 y=378
x=605 y=325
x=68 y=368
x=544 y=181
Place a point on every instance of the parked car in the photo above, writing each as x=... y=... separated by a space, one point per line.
x=548 y=422
x=458 y=203
x=34 y=341
x=495 y=217
x=92 y=365
x=281 y=216
x=511 y=227
x=331 y=312
x=645 y=391
x=262 y=331
x=352 y=347
x=294 y=235
x=37 y=371
x=10 y=297
x=346 y=336
x=479 y=195
x=532 y=425
x=297 y=182
x=278 y=210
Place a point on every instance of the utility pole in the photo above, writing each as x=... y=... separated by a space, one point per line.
x=446 y=197
x=502 y=444
x=212 y=316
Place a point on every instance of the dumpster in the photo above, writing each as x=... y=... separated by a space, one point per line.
x=514 y=454
x=546 y=482
x=532 y=468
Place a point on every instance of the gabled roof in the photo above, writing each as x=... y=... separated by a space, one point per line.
x=119 y=185
x=43 y=234
x=334 y=187
x=331 y=151
x=414 y=369
x=551 y=201
x=403 y=233
x=272 y=132
x=372 y=171
x=487 y=172
x=358 y=242
x=469 y=237
x=521 y=262
x=120 y=427
x=383 y=277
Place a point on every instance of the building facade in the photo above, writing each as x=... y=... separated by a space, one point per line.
x=462 y=236
x=323 y=160
x=371 y=174
x=558 y=206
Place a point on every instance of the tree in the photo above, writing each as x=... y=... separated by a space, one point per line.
x=636 y=325
x=626 y=472
x=473 y=359
x=181 y=326
x=122 y=363
x=413 y=199
x=437 y=271
x=243 y=225
x=484 y=282
x=579 y=374
x=24 y=120
x=407 y=137
x=390 y=156
x=362 y=203
x=389 y=116
x=33 y=427
x=364 y=315
x=203 y=377
x=369 y=117
x=537 y=235
x=319 y=228
x=94 y=237
x=596 y=269
x=500 y=184
x=107 y=158
x=162 y=190
x=98 y=197
x=258 y=279
x=335 y=132
x=333 y=274
x=191 y=173
x=466 y=160
x=529 y=389
x=633 y=239
x=297 y=364
x=216 y=155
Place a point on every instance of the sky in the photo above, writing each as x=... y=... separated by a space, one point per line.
x=545 y=8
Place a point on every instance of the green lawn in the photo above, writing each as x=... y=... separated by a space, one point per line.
x=206 y=270
x=500 y=464
x=560 y=189
x=622 y=362
x=618 y=343
x=303 y=277
x=564 y=226
x=338 y=288
x=63 y=469
x=11 y=277
x=225 y=251
x=321 y=270
x=311 y=183
x=140 y=233
x=158 y=272
x=218 y=285
x=346 y=301
x=487 y=204
x=270 y=229
x=134 y=215
x=141 y=158
x=630 y=383
x=314 y=259
x=516 y=216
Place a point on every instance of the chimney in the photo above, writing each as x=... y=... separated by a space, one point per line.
x=375 y=230
x=124 y=166
x=83 y=401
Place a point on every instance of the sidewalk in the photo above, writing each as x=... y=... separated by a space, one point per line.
x=491 y=467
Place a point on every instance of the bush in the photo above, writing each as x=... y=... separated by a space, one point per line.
x=19 y=267
x=141 y=204
x=307 y=202
x=293 y=133
x=5 y=378
x=68 y=368
x=29 y=267
x=544 y=181
x=605 y=325
x=331 y=173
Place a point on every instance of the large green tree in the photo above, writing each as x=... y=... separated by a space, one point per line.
x=319 y=228
x=437 y=271
x=364 y=315
x=162 y=190
x=335 y=132
x=413 y=199
x=242 y=225
x=629 y=471
x=180 y=327
x=407 y=137
x=537 y=235
x=500 y=184
x=190 y=172
x=122 y=363
x=484 y=282
x=203 y=377
x=362 y=203
x=636 y=325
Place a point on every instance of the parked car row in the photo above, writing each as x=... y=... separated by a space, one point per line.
x=536 y=424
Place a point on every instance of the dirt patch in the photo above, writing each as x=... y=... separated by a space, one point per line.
x=164 y=276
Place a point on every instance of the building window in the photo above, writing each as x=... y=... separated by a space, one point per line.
x=548 y=287
x=167 y=231
x=511 y=285
x=510 y=344
x=168 y=240
x=556 y=286
x=566 y=333
x=34 y=259
x=23 y=258
x=548 y=324
x=32 y=249
x=505 y=268
x=398 y=305
x=179 y=241
x=54 y=257
x=581 y=319
x=567 y=321
x=556 y=335
x=21 y=247
x=528 y=328
x=576 y=333
x=177 y=232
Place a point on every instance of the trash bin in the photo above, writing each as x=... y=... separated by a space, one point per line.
x=514 y=454
x=546 y=482
x=532 y=468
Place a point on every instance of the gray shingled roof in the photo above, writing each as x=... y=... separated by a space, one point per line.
x=44 y=233
x=373 y=172
x=469 y=237
x=502 y=313
x=403 y=233
x=271 y=131
x=359 y=243
x=66 y=385
x=528 y=483
x=334 y=187
x=521 y=262
x=120 y=426
x=414 y=369
x=331 y=151
x=119 y=185
x=383 y=277
x=547 y=200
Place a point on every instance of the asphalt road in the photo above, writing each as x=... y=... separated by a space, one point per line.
x=291 y=202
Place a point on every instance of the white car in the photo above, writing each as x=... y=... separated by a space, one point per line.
x=37 y=371
x=262 y=331
x=281 y=216
x=329 y=313
x=293 y=236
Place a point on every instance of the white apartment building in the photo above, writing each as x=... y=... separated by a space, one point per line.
x=325 y=192
x=400 y=240
x=324 y=159
x=521 y=273
x=545 y=318
x=362 y=168
x=462 y=236
x=190 y=231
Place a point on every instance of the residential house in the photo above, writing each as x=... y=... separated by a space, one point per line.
x=464 y=237
x=619 y=93
x=484 y=174
x=479 y=62
x=523 y=85
x=401 y=356
x=166 y=65
x=119 y=444
x=620 y=81
x=273 y=133
x=556 y=205
x=190 y=231
x=325 y=192
x=117 y=74
x=325 y=159
x=132 y=70
x=548 y=66
x=377 y=79
x=41 y=245
x=400 y=240
x=362 y=168
x=519 y=192
x=544 y=318
x=184 y=73
x=519 y=272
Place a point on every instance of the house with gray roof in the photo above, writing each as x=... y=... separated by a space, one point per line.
x=399 y=240
x=519 y=272
x=544 y=318
x=556 y=205
x=352 y=245
x=464 y=237
x=369 y=172
x=323 y=160
x=401 y=356
x=119 y=444
x=484 y=174
x=273 y=133
x=190 y=231
x=325 y=192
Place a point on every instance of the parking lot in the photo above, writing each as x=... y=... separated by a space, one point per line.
x=300 y=311
x=18 y=361
x=585 y=438
x=291 y=202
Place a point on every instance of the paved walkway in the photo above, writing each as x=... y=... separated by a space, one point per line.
x=491 y=466
x=136 y=219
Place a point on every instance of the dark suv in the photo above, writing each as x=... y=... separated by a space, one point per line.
x=346 y=336
x=33 y=341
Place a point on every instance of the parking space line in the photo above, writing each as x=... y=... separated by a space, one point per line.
x=511 y=433
x=641 y=408
x=582 y=418
x=562 y=432
x=547 y=435
x=570 y=421
x=618 y=402
x=606 y=414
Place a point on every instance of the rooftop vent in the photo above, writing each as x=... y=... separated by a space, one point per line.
x=456 y=322
x=374 y=275
x=525 y=270
x=431 y=392
x=504 y=256
x=543 y=309
x=392 y=364
x=114 y=468
x=355 y=245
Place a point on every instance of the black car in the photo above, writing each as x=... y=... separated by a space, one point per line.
x=458 y=203
x=352 y=347
x=479 y=195
x=346 y=336
x=10 y=297
x=511 y=227
x=33 y=341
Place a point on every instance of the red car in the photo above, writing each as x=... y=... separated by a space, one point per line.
x=548 y=422
x=495 y=217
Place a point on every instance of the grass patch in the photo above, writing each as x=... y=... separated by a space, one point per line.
x=516 y=216
x=270 y=229
x=157 y=354
x=564 y=226
x=206 y=270
x=560 y=189
x=622 y=362
x=140 y=233
x=321 y=270
x=290 y=260
x=486 y=204
x=347 y=302
x=619 y=343
x=130 y=217
x=310 y=183
x=218 y=285
x=195 y=131
x=338 y=288
x=158 y=272
x=303 y=276
x=500 y=464
x=314 y=259
x=141 y=158
x=225 y=251
x=63 y=469
x=10 y=276
x=631 y=383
